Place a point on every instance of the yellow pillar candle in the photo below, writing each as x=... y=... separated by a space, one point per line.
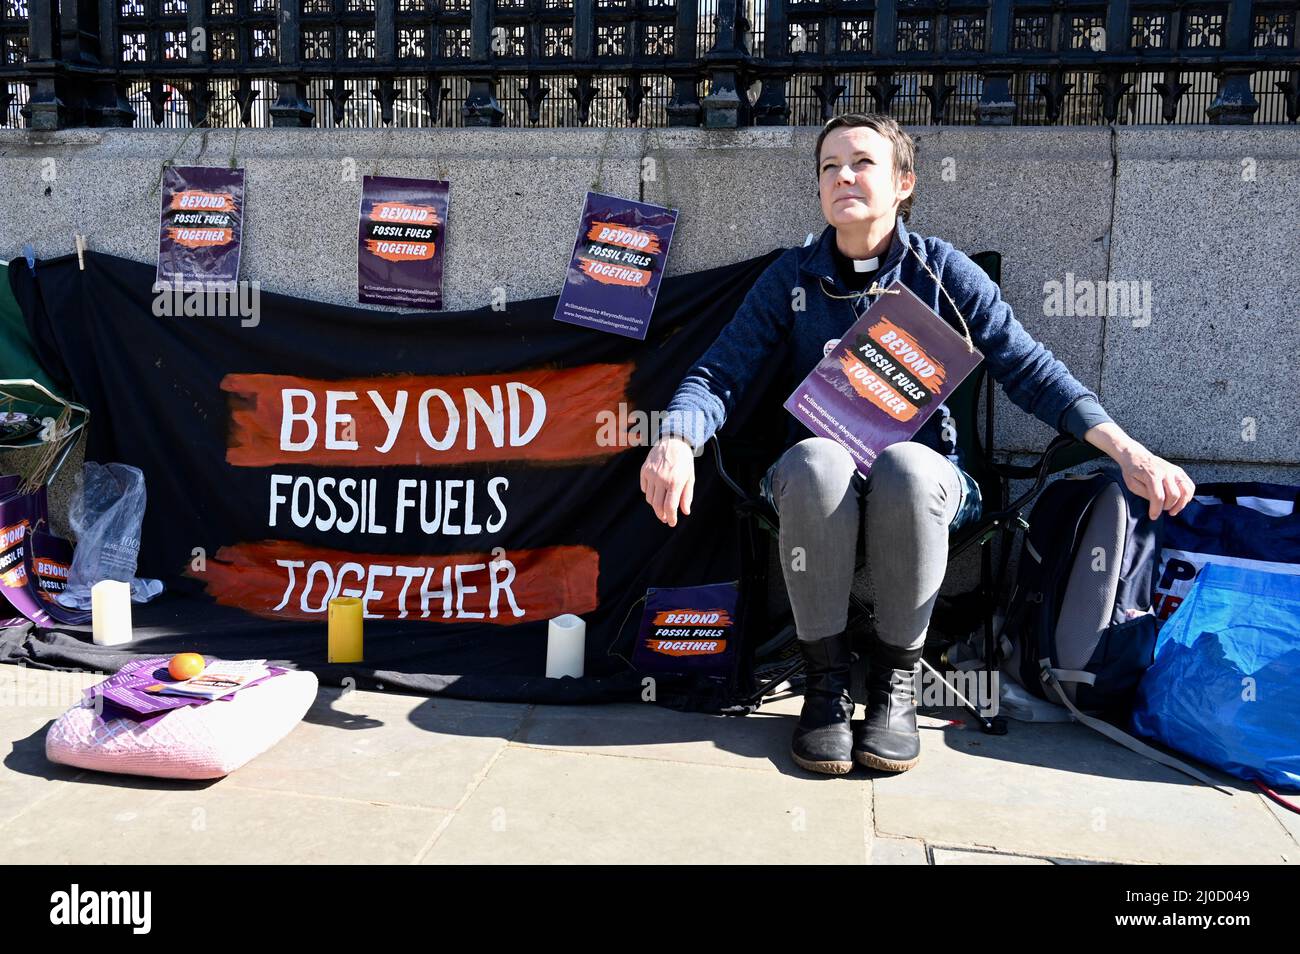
x=345 y=630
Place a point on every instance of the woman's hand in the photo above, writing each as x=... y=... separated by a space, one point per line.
x=1153 y=478
x=668 y=478
x=1166 y=485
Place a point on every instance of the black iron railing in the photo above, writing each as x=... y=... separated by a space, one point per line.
x=717 y=63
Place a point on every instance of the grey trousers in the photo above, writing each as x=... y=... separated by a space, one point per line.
x=911 y=500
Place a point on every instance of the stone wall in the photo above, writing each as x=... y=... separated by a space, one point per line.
x=1205 y=218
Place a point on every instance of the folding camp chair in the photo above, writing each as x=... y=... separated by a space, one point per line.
x=772 y=657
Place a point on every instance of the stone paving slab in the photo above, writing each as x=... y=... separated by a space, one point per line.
x=757 y=741
x=383 y=777
x=1290 y=822
x=31 y=701
x=542 y=806
x=384 y=747
x=99 y=820
x=1063 y=790
x=898 y=851
x=26 y=778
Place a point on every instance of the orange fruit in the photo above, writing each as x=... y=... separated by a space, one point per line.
x=185 y=665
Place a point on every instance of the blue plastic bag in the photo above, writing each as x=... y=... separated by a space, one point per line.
x=1225 y=684
x=1245 y=524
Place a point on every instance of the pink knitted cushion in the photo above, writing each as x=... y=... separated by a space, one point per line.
x=206 y=741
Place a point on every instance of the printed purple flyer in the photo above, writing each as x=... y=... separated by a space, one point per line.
x=885 y=377
x=617 y=264
x=131 y=692
x=400 y=241
x=201 y=228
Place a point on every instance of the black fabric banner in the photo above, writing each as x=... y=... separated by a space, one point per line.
x=468 y=474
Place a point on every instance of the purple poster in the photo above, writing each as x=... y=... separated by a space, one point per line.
x=885 y=377
x=202 y=225
x=688 y=629
x=400 y=242
x=34 y=564
x=617 y=264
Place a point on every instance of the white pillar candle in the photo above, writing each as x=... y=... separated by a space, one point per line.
x=110 y=613
x=566 y=642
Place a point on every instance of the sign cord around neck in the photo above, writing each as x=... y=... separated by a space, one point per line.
x=875 y=289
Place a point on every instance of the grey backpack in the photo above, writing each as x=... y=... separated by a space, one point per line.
x=1080 y=630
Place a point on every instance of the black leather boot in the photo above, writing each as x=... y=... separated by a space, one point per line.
x=887 y=739
x=823 y=739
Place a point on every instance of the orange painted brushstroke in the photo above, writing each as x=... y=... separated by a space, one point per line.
x=594 y=269
x=390 y=212
x=200 y=236
x=573 y=398
x=933 y=382
x=425 y=253
x=662 y=646
x=548 y=581
x=225 y=201
x=851 y=366
x=661 y=618
x=12 y=539
x=624 y=237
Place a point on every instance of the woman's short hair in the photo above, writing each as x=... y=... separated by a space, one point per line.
x=903 y=144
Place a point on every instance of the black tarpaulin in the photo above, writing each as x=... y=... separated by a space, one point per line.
x=251 y=517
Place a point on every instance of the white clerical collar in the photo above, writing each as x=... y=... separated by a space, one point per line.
x=866 y=264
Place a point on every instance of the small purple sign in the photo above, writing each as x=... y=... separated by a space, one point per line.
x=617 y=264
x=688 y=629
x=880 y=382
x=202 y=225
x=400 y=242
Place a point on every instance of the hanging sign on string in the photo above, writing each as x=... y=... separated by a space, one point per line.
x=201 y=227
x=617 y=263
x=400 y=241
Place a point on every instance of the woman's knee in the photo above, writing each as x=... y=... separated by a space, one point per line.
x=814 y=466
x=907 y=469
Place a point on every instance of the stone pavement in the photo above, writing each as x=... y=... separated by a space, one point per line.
x=381 y=777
